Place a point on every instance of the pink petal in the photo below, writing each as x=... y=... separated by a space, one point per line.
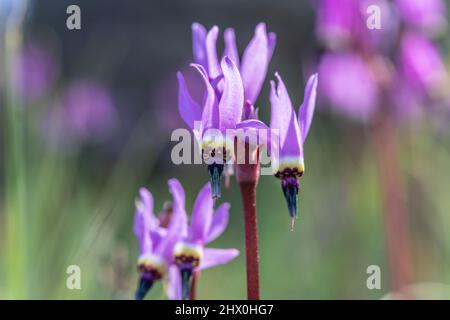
x=230 y=46
x=210 y=115
x=255 y=61
x=306 y=111
x=144 y=220
x=215 y=257
x=198 y=43
x=232 y=100
x=219 y=222
x=179 y=211
x=256 y=127
x=211 y=53
x=189 y=110
x=201 y=215
x=174 y=283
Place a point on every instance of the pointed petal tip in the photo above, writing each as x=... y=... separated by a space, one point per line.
x=214 y=30
x=261 y=27
x=229 y=33
x=292 y=223
x=197 y=26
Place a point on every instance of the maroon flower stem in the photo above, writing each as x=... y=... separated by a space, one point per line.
x=194 y=283
x=247 y=176
x=393 y=194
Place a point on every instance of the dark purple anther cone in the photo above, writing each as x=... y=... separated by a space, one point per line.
x=144 y=285
x=186 y=276
x=290 y=188
x=215 y=173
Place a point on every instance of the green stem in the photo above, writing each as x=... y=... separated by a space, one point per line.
x=15 y=183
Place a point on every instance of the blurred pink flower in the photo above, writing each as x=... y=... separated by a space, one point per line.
x=421 y=64
x=427 y=15
x=85 y=111
x=348 y=84
x=35 y=70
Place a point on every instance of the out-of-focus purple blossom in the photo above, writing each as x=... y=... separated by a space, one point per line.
x=85 y=111
x=348 y=85
x=34 y=72
x=89 y=110
x=156 y=243
x=190 y=253
x=427 y=15
x=337 y=21
x=293 y=131
x=382 y=39
x=405 y=99
x=422 y=65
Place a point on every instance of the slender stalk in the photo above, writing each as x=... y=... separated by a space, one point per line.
x=194 y=284
x=248 y=192
x=393 y=195
x=247 y=175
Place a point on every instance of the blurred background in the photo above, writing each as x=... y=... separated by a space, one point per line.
x=86 y=117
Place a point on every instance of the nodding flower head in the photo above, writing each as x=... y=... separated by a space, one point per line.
x=190 y=254
x=289 y=166
x=214 y=125
x=156 y=241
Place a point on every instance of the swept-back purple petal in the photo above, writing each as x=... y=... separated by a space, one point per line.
x=189 y=110
x=210 y=115
x=272 y=38
x=198 y=44
x=219 y=222
x=283 y=118
x=211 y=53
x=167 y=243
x=231 y=50
x=254 y=63
x=257 y=127
x=232 y=100
x=201 y=215
x=144 y=220
x=215 y=257
x=174 y=284
x=306 y=111
x=178 y=206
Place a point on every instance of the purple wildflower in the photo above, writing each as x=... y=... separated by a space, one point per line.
x=232 y=87
x=255 y=59
x=190 y=253
x=214 y=124
x=293 y=131
x=337 y=21
x=156 y=243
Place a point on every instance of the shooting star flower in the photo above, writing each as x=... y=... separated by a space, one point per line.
x=156 y=242
x=190 y=253
x=292 y=134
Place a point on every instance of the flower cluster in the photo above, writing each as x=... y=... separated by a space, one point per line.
x=394 y=65
x=175 y=250
x=171 y=249
x=231 y=90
